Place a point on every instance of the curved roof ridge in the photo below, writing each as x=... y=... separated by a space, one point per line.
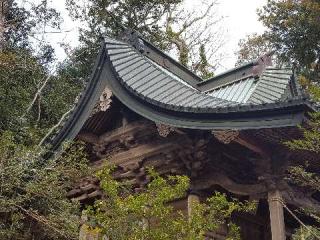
x=132 y=75
x=136 y=40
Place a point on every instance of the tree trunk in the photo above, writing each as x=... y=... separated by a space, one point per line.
x=3 y=12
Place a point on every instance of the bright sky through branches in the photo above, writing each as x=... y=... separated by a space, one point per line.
x=240 y=20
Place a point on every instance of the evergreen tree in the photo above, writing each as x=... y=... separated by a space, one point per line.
x=251 y=48
x=33 y=203
x=30 y=90
x=304 y=176
x=293 y=32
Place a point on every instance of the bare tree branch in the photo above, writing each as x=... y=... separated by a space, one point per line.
x=187 y=24
x=54 y=127
x=37 y=94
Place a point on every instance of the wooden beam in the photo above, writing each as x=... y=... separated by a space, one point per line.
x=228 y=184
x=88 y=137
x=253 y=147
x=115 y=134
x=276 y=215
x=127 y=129
x=137 y=154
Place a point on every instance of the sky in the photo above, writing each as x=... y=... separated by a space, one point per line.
x=240 y=19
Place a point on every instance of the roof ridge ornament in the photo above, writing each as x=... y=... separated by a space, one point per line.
x=104 y=102
x=133 y=38
x=263 y=62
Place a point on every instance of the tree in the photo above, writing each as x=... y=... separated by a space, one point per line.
x=30 y=83
x=111 y=17
x=3 y=14
x=195 y=36
x=33 y=203
x=23 y=25
x=301 y=174
x=203 y=67
x=293 y=31
x=149 y=215
x=251 y=48
x=104 y=17
x=167 y=24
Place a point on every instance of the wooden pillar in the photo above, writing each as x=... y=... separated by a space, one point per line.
x=276 y=215
x=193 y=198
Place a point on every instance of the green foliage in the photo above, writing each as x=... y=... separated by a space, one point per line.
x=306 y=234
x=24 y=25
x=293 y=31
x=311 y=87
x=59 y=95
x=311 y=136
x=19 y=76
x=149 y=215
x=303 y=175
x=204 y=66
x=33 y=203
x=24 y=68
x=111 y=17
x=166 y=24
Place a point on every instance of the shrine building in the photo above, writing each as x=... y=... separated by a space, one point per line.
x=141 y=108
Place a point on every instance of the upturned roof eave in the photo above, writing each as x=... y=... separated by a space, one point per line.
x=275 y=115
x=281 y=114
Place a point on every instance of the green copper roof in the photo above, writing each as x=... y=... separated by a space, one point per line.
x=270 y=87
x=154 y=86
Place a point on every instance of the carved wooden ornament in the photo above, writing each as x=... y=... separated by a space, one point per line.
x=164 y=130
x=105 y=99
x=104 y=102
x=225 y=136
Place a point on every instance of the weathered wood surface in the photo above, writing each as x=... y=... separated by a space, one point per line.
x=236 y=162
x=276 y=215
x=224 y=181
x=242 y=166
